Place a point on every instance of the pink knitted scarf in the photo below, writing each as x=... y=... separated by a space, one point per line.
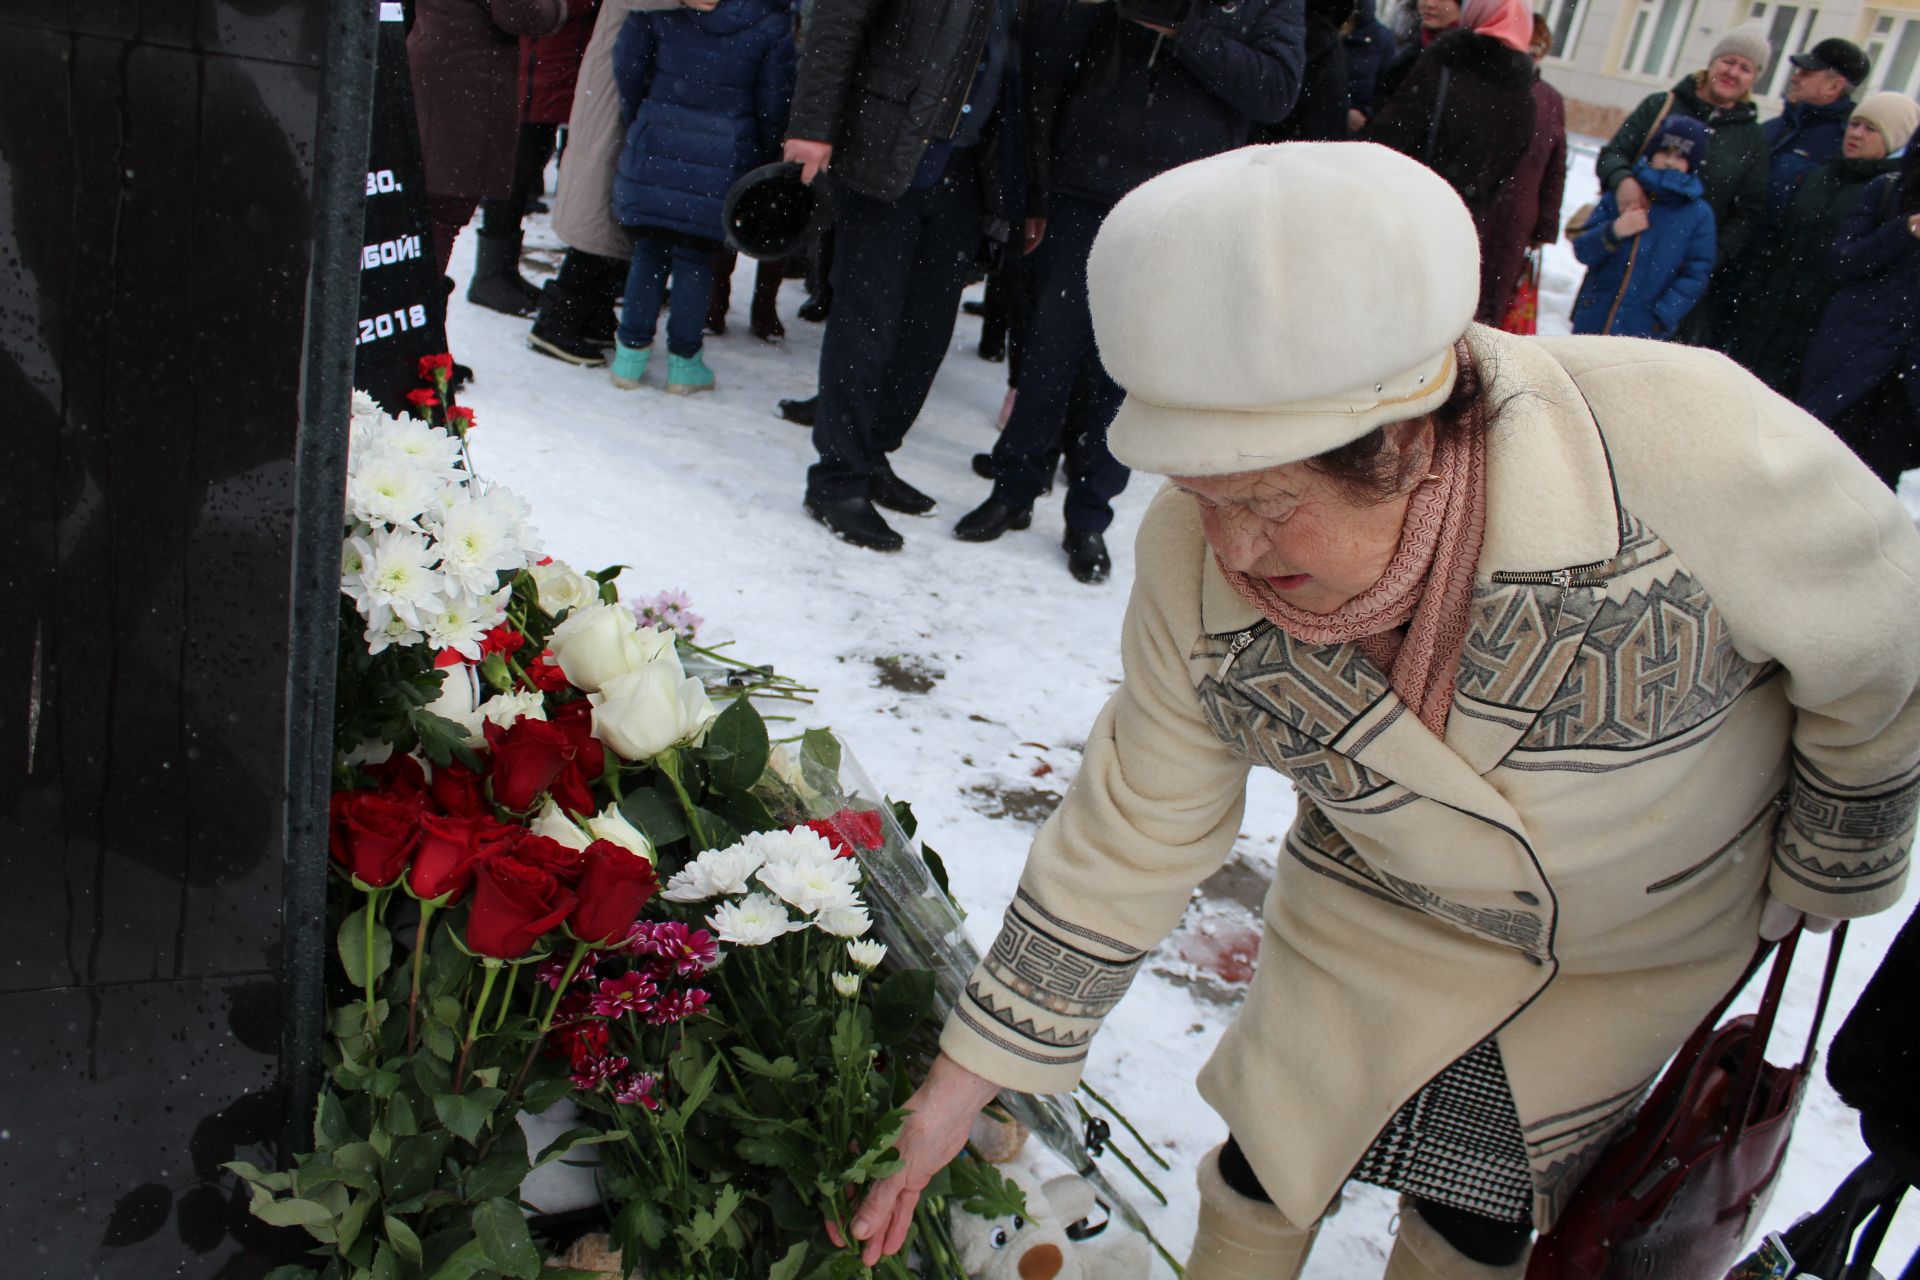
x=1428 y=585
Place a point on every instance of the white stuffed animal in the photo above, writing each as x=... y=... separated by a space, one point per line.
x=1052 y=1242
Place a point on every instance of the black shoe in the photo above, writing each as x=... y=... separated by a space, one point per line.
x=799 y=411
x=854 y=520
x=973 y=307
x=560 y=330
x=1087 y=557
x=539 y=206
x=815 y=308
x=459 y=376
x=983 y=465
x=993 y=347
x=890 y=491
x=991 y=519
x=497 y=284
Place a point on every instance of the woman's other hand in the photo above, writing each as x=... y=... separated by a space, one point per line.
x=943 y=1110
x=1631 y=195
x=1777 y=920
x=1631 y=223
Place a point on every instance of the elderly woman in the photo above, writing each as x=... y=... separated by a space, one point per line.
x=1578 y=694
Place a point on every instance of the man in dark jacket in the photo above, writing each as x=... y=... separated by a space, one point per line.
x=1121 y=99
x=914 y=106
x=1808 y=132
x=1370 y=47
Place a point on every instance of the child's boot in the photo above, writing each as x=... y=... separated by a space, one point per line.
x=630 y=365
x=688 y=374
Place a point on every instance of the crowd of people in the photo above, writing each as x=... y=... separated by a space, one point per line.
x=990 y=138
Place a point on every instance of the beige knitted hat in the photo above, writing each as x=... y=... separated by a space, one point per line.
x=1272 y=303
x=1750 y=42
x=1895 y=115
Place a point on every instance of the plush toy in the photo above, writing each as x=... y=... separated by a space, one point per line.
x=1054 y=1241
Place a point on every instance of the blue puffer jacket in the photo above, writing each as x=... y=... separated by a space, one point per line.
x=1670 y=261
x=1871 y=329
x=1370 y=47
x=705 y=98
x=1799 y=140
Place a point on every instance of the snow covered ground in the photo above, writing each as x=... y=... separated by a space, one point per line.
x=965 y=676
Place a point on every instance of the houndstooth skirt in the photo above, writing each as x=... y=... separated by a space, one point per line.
x=1458 y=1142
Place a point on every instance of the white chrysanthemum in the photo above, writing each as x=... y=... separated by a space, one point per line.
x=508 y=507
x=386 y=628
x=477 y=545
x=812 y=886
x=505 y=708
x=802 y=847
x=465 y=620
x=844 y=922
x=867 y=954
x=429 y=448
x=847 y=984
x=715 y=872
x=390 y=488
x=753 y=921
x=396 y=573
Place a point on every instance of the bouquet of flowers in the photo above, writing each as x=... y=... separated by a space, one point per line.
x=565 y=872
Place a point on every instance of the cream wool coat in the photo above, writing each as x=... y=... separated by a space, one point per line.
x=1690 y=678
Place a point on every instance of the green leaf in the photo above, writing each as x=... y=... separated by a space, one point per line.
x=789 y=1266
x=748 y=812
x=466 y=1114
x=820 y=759
x=719 y=832
x=502 y=1233
x=706 y=1224
x=441 y=740
x=464 y=1263
x=736 y=749
x=782 y=1068
x=384 y=1267
x=413 y=1167
x=565 y=1145
x=541 y=1094
x=352 y=1221
x=504 y=1169
x=401 y=1121
x=288 y=1273
x=404 y=1241
x=658 y=816
x=330 y=1124
x=439 y=1041
x=641 y=1221
x=937 y=868
x=259 y=1177
x=900 y=1003
x=981 y=1189
x=292 y=1212
x=774 y=1150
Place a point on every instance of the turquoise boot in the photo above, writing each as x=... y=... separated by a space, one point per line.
x=629 y=364
x=688 y=374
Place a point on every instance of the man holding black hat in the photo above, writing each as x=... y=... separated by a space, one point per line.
x=1808 y=132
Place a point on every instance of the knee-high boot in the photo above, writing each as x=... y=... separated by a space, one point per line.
x=1243 y=1239
x=1421 y=1253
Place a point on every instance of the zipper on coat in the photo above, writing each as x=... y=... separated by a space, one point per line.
x=1583 y=575
x=1234 y=650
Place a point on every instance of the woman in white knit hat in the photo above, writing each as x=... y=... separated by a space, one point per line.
x=1589 y=659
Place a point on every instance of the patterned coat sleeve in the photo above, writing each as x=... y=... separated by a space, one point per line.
x=1153 y=811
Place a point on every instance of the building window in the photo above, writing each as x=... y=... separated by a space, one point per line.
x=1893 y=46
x=1659 y=28
x=1789 y=30
x=1563 y=19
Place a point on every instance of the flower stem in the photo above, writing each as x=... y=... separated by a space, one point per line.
x=373 y=911
x=513 y=976
x=413 y=990
x=492 y=968
x=669 y=763
x=566 y=978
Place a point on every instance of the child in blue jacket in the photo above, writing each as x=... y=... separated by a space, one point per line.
x=704 y=90
x=1647 y=267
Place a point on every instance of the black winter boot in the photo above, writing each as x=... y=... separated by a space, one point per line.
x=496 y=283
x=560 y=330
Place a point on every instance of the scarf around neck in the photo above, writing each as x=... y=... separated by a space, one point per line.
x=1427 y=588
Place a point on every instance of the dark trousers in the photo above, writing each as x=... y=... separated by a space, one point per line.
x=691 y=265
x=446 y=215
x=1059 y=351
x=1883 y=430
x=531 y=152
x=898 y=269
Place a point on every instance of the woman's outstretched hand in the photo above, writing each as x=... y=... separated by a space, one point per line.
x=943 y=1107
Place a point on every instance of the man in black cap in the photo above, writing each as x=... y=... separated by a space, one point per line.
x=1809 y=131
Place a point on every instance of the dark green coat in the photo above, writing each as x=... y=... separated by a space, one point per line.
x=1735 y=174
x=1777 y=290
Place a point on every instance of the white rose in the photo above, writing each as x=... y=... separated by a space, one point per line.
x=646 y=711
x=597 y=642
x=561 y=589
x=505 y=708
x=786 y=767
x=557 y=826
x=459 y=702
x=611 y=824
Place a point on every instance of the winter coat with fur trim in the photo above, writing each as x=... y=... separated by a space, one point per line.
x=1527 y=211
x=1734 y=172
x=1648 y=735
x=1644 y=286
x=1486 y=118
x=464 y=59
x=1132 y=104
x=1870 y=330
x=706 y=98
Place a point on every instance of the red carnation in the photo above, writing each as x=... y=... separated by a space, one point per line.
x=501 y=639
x=430 y=365
x=526 y=759
x=460 y=419
x=616 y=885
x=544 y=674
x=514 y=904
x=422 y=398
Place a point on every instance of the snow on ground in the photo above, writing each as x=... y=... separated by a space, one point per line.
x=965 y=676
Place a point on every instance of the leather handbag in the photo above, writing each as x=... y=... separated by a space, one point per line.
x=1675 y=1195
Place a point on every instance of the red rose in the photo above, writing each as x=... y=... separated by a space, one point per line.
x=421 y=398
x=430 y=365
x=573 y=787
x=616 y=885
x=556 y=859
x=399 y=776
x=443 y=864
x=374 y=834
x=526 y=760
x=513 y=905
x=850 y=831
x=456 y=790
x=545 y=674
